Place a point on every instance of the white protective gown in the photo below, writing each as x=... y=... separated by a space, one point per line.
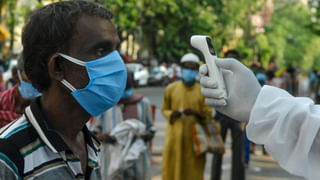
x=289 y=129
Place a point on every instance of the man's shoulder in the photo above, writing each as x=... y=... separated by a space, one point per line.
x=19 y=133
x=173 y=85
x=10 y=128
x=11 y=160
x=197 y=85
x=13 y=137
x=17 y=140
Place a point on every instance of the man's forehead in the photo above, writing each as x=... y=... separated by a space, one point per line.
x=90 y=24
x=190 y=64
x=93 y=30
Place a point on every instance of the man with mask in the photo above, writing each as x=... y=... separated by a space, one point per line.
x=14 y=100
x=182 y=106
x=69 y=55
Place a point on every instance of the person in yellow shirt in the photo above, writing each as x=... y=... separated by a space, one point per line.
x=183 y=105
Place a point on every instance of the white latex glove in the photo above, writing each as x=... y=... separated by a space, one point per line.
x=241 y=84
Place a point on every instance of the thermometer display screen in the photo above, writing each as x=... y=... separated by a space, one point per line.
x=210 y=46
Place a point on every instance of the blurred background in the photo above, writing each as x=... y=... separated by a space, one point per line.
x=280 y=38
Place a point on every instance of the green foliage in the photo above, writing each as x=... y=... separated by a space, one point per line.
x=265 y=49
x=315 y=10
x=12 y=20
x=289 y=34
x=164 y=27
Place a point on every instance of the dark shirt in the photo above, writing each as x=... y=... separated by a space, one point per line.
x=31 y=149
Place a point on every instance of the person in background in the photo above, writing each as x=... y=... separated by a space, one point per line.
x=270 y=76
x=317 y=89
x=182 y=106
x=272 y=66
x=176 y=72
x=312 y=84
x=2 y=81
x=14 y=79
x=13 y=101
x=238 y=164
x=130 y=106
x=247 y=148
x=290 y=81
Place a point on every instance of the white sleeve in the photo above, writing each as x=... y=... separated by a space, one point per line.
x=289 y=129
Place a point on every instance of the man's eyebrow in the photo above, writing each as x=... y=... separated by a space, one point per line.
x=104 y=43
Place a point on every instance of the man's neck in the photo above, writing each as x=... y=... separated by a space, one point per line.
x=65 y=115
x=189 y=84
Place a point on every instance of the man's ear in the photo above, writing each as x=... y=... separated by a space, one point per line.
x=55 y=69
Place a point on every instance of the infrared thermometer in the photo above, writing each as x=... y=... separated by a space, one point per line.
x=204 y=44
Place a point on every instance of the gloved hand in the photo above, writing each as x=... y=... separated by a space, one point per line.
x=242 y=89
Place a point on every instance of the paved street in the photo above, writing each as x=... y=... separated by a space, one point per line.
x=261 y=167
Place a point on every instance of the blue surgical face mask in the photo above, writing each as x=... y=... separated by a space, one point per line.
x=108 y=76
x=127 y=93
x=26 y=89
x=189 y=75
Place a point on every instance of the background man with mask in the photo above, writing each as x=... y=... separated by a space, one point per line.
x=182 y=106
x=14 y=100
x=130 y=106
x=69 y=55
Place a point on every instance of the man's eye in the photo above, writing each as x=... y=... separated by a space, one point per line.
x=100 y=52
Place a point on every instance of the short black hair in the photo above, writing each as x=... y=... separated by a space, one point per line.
x=49 y=30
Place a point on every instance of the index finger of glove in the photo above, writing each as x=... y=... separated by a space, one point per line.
x=203 y=70
x=212 y=93
x=216 y=102
x=208 y=82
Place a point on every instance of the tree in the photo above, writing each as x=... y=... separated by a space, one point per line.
x=290 y=34
x=164 y=27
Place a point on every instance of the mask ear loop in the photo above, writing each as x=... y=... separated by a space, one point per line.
x=19 y=75
x=68 y=85
x=74 y=60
